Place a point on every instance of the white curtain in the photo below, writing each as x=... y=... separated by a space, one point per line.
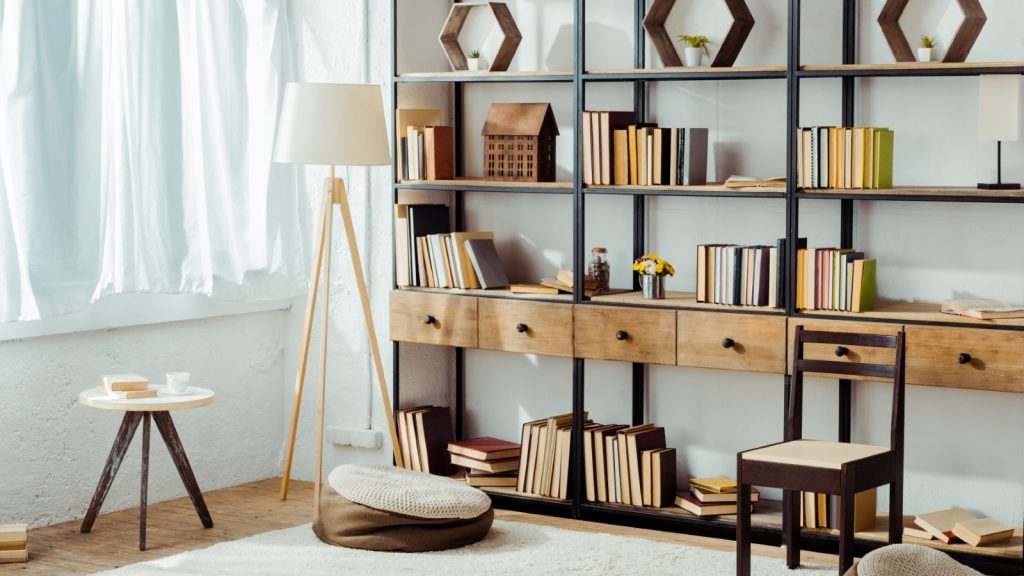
x=135 y=153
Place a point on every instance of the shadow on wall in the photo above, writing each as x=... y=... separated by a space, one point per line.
x=560 y=57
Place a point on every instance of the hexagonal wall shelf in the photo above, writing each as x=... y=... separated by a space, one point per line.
x=959 y=47
x=457 y=18
x=742 y=24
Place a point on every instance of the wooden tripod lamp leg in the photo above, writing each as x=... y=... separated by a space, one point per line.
x=341 y=197
x=325 y=325
x=307 y=334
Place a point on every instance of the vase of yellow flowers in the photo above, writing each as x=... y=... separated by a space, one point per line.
x=652 y=271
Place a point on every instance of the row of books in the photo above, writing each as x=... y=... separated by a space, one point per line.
x=424 y=433
x=844 y=157
x=628 y=465
x=818 y=510
x=619 y=151
x=489 y=462
x=713 y=496
x=740 y=275
x=428 y=153
x=835 y=279
x=545 y=456
x=955 y=524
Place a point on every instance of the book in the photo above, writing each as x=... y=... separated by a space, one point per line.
x=406 y=118
x=709 y=497
x=688 y=502
x=620 y=160
x=589 y=479
x=715 y=484
x=469 y=278
x=982 y=309
x=128 y=394
x=940 y=524
x=526 y=449
x=697 y=156
x=863 y=285
x=550 y=443
x=440 y=152
x=588 y=153
x=485 y=448
x=624 y=475
x=433 y=433
x=124 y=382
x=532 y=289
x=917 y=533
x=13 y=535
x=602 y=464
x=982 y=532
x=560 y=488
x=882 y=165
x=414 y=452
x=647 y=438
x=402 y=423
x=487 y=480
x=663 y=476
x=491 y=466
x=14 y=555
x=608 y=124
x=486 y=263
x=425 y=220
x=740 y=182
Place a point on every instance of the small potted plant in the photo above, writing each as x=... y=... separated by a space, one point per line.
x=925 y=52
x=473 y=61
x=652 y=271
x=696 y=49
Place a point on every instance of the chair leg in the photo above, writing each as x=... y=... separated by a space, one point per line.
x=896 y=512
x=791 y=522
x=846 y=515
x=742 y=523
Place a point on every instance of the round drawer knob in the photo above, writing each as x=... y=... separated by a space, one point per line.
x=521 y=327
x=428 y=320
x=621 y=335
x=728 y=343
x=963 y=358
x=841 y=351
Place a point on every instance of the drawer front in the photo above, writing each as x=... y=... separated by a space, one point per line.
x=754 y=343
x=433 y=318
x=864 y=354
x=527 y=327
x=626 y=334
x=994 y=359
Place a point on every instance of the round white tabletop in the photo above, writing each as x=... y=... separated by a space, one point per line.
x=162 y=402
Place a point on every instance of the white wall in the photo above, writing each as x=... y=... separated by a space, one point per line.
x=962 y=446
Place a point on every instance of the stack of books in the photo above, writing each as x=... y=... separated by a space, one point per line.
x=741 y=275
x=126 y=386
x=13 y=543
x=818 y=510
x=618 y=151
x=545 y=456
x=563 y=282
x=712 y=496
x=954 y=524
x=489 y=462
x=423 y=436
x=628 y=465
x=844 y=157
x=428 y=153
x=840 y=279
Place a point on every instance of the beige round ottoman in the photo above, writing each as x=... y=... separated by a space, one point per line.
x=381 y=507
x=909 y=560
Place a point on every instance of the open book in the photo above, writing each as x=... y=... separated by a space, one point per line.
x=982 y=309
x=736 y=182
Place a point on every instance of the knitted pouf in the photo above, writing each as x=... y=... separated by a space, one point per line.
x=909 y=560
x=381 y=507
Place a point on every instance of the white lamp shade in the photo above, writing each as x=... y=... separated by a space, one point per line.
x=999 y=107
x=340 y=124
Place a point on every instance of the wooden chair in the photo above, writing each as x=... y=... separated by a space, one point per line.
x=837 y=468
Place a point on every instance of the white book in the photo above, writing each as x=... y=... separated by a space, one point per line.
x=615 y=472
x=437 y=259
x=758 y=260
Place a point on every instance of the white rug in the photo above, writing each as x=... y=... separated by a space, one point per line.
x=513 y=548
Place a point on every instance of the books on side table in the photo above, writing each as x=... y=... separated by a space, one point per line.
x=126 y=386
x=13 y=543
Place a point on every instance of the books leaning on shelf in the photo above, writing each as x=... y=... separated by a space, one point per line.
x=428 y=153
x=855 y=157
x=618 y=151
x=13 y=543
x=545 y=456
x=423 y=436
x=819 y=510
x=741 y=275
x=628 y=465
x=982 y=309
x=840 y=279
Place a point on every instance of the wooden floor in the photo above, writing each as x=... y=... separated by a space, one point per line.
x=243 y=511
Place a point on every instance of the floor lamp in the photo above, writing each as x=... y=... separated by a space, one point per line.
x=332 y=124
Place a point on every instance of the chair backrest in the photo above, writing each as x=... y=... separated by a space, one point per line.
x=893 y=372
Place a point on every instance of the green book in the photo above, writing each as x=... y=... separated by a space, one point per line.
x=882 y=161
x=864 y=285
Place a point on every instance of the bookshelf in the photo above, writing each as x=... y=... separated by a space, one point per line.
x=1001 y=371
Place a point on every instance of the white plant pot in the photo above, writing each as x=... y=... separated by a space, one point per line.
x=473 y=64
x=925 y=54
x=694 y=56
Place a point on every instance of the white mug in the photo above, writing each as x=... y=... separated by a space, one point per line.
x=177 y=382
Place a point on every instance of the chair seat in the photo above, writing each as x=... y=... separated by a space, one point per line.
x=814 y=453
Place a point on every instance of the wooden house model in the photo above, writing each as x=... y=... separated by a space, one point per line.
x=519 y=143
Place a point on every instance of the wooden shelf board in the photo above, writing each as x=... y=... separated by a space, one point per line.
x=673 y=299
x=493 y=293
x=510 y=491
x=920 y=312
x=942 y=191
x=689 y=70
x=767 y=513
x=709 y=189
x=486 y=76
x=479 y=182
x=911 y=66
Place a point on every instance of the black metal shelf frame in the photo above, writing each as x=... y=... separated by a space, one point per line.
x=575 y=507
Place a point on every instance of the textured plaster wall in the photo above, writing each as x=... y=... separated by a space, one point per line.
x=53 y=448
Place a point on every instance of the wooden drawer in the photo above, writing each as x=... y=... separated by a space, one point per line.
x=627 y=334
x=853 y=353
x=756 y=343
x=994 y=359
x=433 y=318
x=527 y=327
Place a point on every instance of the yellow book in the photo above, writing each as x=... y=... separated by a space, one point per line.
x=716 y=484
x=621 y=152
x=800 y=255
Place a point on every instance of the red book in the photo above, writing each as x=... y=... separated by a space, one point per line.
x=485 y=448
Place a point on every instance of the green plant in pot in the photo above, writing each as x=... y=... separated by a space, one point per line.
x=696 y=49
x=473 y=61
x=926 y=50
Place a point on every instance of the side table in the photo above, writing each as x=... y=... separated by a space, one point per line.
x=143 y=410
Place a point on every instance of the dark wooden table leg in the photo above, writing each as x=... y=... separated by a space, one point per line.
x=742 y=521
x=166 y=427
x=145 y=481
x=129 y=424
